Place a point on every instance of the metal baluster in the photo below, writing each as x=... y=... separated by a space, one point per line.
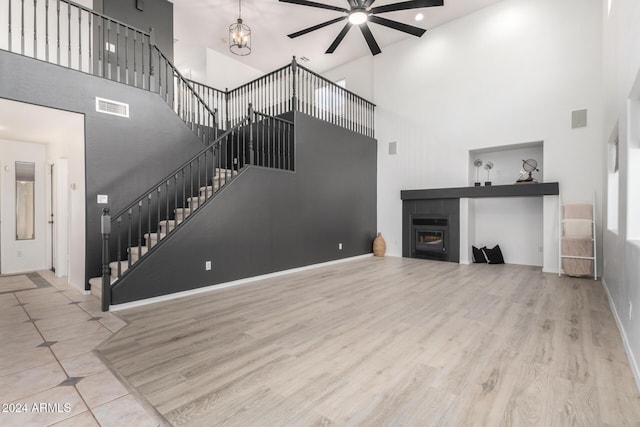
x=58 y=31
x=22 y=27
x=9 y=39
x=158 y=213
x=80 y=39
x=184 y=192
x=118 y=77
x=90 y=60
x=126 y=55
x=46 y=29
x=206 y=178
x=139 y=230
x=129 y=241
x=135 y=59
x=191 y=181
x=175 y=200
x=35 y=27
x=119 y=247
x=148 y=221
x=107 y=53
x=167 y=216
x=69 y=35
x=142 y=56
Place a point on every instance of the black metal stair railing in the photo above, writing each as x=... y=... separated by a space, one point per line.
x=145 y=224
x=74 y=36
x=292 y=88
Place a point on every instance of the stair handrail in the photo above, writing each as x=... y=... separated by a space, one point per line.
x=258 y=139
x=211 y=122
x=177 y=170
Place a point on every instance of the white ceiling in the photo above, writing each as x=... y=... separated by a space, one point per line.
x=205 y=23
x=24 y=122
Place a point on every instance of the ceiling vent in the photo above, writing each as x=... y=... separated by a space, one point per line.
x=115 y=108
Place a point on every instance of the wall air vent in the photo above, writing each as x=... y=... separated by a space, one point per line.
x=115 y=108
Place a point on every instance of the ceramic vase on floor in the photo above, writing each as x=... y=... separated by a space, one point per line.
x=379 y=245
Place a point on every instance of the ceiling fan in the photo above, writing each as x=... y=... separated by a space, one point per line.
x=359 y=12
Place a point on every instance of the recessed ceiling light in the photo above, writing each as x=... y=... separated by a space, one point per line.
x=419 y=17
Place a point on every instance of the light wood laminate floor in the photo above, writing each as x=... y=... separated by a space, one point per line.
x=384 y=341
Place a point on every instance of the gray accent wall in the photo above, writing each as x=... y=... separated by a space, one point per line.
x=123 y=157
x=269 y=220
x=156 y=14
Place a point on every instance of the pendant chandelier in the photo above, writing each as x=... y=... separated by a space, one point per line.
x=240 y=35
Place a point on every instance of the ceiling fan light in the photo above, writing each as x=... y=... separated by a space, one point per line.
x=358 y=17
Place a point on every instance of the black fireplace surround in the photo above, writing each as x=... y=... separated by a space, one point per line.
x=430 y=237
x=431 y=229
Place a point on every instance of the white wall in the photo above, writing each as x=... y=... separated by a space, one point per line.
x=622 y=83
x=509 y=73
x=66 y=147
x=212 y=68
x=227 y=73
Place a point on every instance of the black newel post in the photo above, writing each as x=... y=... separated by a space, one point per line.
x=106 y=273
x=294 y=82
x=251 y=153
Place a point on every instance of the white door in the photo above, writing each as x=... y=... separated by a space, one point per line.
x=23 y=218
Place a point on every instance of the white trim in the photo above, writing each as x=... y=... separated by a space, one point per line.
x=625 y=341
x=211 y=288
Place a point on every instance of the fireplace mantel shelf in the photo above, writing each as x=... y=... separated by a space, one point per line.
x=514 y=190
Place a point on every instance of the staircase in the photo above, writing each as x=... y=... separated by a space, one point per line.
x=63 y=35
x=149 y=221
x=164 y=228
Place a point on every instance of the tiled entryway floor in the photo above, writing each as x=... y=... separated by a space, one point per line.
x=49 y=374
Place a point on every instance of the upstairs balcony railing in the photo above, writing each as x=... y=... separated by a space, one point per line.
x=289 y=88
x=74 y=36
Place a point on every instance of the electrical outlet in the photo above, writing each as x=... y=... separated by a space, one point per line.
x=630 y=310
x=339 y=246
x=207 y=265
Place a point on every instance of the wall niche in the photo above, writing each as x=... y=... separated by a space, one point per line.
x=514 y=223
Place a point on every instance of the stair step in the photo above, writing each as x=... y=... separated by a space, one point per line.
x=195 y=202
x=167 y=225
x=133 y=253
x=96 y=285
x=153 y=238
x=182 y=213
x=113 y=267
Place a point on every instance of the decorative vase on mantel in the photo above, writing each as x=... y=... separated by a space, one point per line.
x=379 y=245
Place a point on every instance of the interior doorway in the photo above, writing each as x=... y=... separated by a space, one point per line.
x=60 y=190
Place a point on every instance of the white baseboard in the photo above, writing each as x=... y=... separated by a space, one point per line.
x=219 y=286
x=623 y=334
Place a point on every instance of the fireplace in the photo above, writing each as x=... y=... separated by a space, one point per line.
x=430 y=237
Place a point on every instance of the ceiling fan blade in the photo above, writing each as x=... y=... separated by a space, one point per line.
x=373 y=46
x=410 y=29
x=315 y=27
x=314 y=4
x=338 y=39
x=415 y=4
